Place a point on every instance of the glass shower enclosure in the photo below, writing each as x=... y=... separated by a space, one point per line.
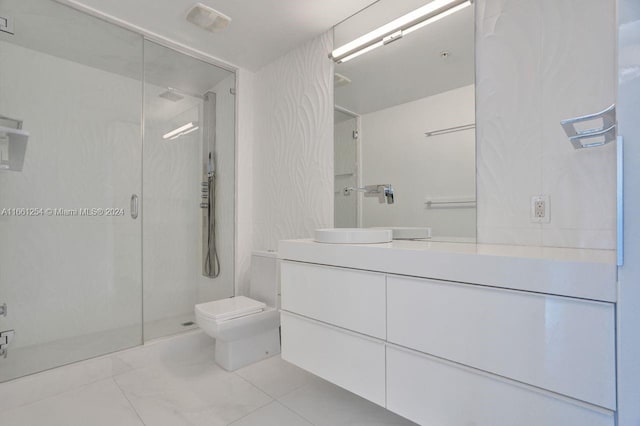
x=102 y=233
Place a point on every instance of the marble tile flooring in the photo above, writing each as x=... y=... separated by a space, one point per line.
x=175 y=382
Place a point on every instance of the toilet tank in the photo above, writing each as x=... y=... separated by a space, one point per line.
x=265 y=278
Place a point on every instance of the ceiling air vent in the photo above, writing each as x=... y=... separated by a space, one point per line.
x=208 y=18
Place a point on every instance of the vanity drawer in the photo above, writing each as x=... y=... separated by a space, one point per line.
x=352 y=299
x=351 y=361
x=431 y=391
x=562 y=344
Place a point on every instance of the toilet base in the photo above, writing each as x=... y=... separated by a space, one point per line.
x=235 y=354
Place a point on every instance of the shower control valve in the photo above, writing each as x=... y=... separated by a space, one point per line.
x=5 y=338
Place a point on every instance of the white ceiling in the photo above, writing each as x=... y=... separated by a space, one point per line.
x=260 y=30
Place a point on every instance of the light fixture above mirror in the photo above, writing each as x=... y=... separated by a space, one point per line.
x=398 y=28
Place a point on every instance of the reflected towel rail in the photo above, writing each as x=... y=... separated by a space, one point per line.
x=450 y=130
x=451 y=203
x=12 y=123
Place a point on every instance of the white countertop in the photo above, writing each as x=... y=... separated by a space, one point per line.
x=588 y=274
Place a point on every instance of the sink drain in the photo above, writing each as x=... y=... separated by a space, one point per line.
x=188 y=324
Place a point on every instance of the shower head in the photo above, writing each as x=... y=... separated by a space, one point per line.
x=171 y=95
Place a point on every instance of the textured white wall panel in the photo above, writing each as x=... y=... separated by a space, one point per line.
x=293 y=145
x=539 y=62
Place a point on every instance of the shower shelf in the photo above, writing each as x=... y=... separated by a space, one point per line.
x=585 y=138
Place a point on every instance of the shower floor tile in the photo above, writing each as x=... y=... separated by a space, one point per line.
x=169 y=326
x=175 y=381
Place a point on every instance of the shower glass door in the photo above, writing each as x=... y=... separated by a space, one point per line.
x=70 y=241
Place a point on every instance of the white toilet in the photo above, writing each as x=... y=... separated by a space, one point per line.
x=246 y=329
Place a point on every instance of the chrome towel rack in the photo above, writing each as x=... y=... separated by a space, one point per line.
x=12 y=123
x=450 y=203
x=584 y=138
x=450 y=130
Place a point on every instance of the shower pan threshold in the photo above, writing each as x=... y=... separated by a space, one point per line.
x=27 y=360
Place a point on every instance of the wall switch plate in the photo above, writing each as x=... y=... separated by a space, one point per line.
x=540 y=209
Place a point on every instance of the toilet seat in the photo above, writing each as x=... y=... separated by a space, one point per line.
x=228 y=309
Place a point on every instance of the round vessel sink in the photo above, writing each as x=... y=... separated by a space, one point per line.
x=353 y=236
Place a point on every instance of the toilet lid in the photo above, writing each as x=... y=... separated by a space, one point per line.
x=234 y=307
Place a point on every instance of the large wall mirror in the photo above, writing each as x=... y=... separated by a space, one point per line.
x=405 y=118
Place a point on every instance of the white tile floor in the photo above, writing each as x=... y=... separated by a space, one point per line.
x=175 y=382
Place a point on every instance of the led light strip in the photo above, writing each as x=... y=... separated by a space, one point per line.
x=182 y=130
x=186 y=132
x=398 y=28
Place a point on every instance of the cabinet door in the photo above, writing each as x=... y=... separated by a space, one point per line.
x=348 y=298
x=431 y=391
x=349 y=360
x=562 y=344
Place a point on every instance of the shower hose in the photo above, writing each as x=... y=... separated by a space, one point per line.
x=212 y=262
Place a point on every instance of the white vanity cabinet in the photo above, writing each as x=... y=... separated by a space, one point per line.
x=354 y=300
x=352 y=361
x=446 y=353
x=557 y=343
x=333 y=323
x=495 y=350
x=434 y=392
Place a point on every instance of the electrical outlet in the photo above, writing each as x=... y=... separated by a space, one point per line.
x=540 y=209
